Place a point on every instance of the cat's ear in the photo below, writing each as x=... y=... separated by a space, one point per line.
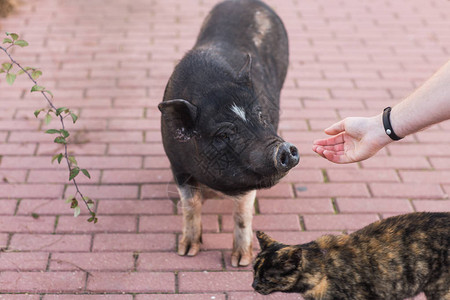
x=264 y=240
x=297 y=254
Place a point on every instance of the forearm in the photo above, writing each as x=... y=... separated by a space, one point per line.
x=428 y=105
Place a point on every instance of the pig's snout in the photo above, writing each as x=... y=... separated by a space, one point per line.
x=286 y=157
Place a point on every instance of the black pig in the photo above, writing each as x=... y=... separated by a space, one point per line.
x=220 y=116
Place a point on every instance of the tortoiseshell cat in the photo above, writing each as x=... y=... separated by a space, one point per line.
x=392 y=259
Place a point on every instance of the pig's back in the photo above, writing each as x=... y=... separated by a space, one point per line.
x=236 y=27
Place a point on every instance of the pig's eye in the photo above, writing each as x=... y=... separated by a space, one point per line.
x=223 y=137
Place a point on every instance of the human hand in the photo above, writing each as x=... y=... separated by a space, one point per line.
x=354 y=139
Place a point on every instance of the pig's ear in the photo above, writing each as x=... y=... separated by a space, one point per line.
x=244 y=74
x=179 y=115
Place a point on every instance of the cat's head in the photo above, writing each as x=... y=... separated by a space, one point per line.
x=277 y=267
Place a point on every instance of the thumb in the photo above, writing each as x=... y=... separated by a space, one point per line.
x=335 y=128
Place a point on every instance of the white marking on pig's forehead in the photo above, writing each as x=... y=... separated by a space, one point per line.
x=263 y=26
x=239 y=111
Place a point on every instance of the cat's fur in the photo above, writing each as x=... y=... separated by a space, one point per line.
x=392 y=259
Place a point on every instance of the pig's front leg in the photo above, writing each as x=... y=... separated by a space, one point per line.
x=191 y=205
x=242 y=254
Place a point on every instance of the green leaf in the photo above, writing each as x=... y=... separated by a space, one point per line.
x=10 y=78
x=2 y=71
x=73 y=160
x=21 y=71
x=60 y=110
x=15 y=36
x=86 y=173
x=52 y=131
x=59 y=157
x=93 y=218
x=21 y=43
x=7 y=66
x=37 y=88
x=70 y=199
x=48 y=119
x=60 y=140
x=74 y=203
x=76 y=211
x=37 y=112
x=7 y=41
x=74 y=117
x=48 y=92
x=74 y=172
x=35 y=74
x=64 y=133
x=89 y=202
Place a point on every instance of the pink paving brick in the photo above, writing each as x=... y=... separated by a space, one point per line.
x=7 y=207
x=279 y=191
x=61 y=177
x=181 y=297
x=171 y=261
x=23 y=261
x=409 y=190
x=134 y=242
x=336 y=175
x=303 y=175
x=158 y=191
x=88 y=297
x=106 y=191
x=31 y=190
x=397 y=162
x=141 y=207
x=27 y=224
x=263 y=222
x=214 y=281
x=256 y=296
x=100 y=261
x=432 y=205
x=13 y=176
x=19 y=297
x=373 y=205
x=425 y=176
x=332 y=190
x=299 y=206
x=105 y=224
x=134 y=176
x=338 y=222
x=3 y=240
x=51 y=282
x=174 y=223
x=216 y=206
x=216 y=241
x=137 y=282
x=47 y=242
x=45 y=207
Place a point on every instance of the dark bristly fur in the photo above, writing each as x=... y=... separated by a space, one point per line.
x=392 y=259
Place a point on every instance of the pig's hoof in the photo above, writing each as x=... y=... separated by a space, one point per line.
x=189 y=249
x=241 y=260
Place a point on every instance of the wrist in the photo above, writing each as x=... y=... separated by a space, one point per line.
x=387 y=125
x=381 y=138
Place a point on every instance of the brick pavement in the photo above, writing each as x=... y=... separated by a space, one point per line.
x=110 y=60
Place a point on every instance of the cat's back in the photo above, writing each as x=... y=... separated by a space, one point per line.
x=396 y=257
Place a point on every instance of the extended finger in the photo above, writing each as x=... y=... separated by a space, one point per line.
x=338 y=139
x=335 y=128
x=336 y=157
